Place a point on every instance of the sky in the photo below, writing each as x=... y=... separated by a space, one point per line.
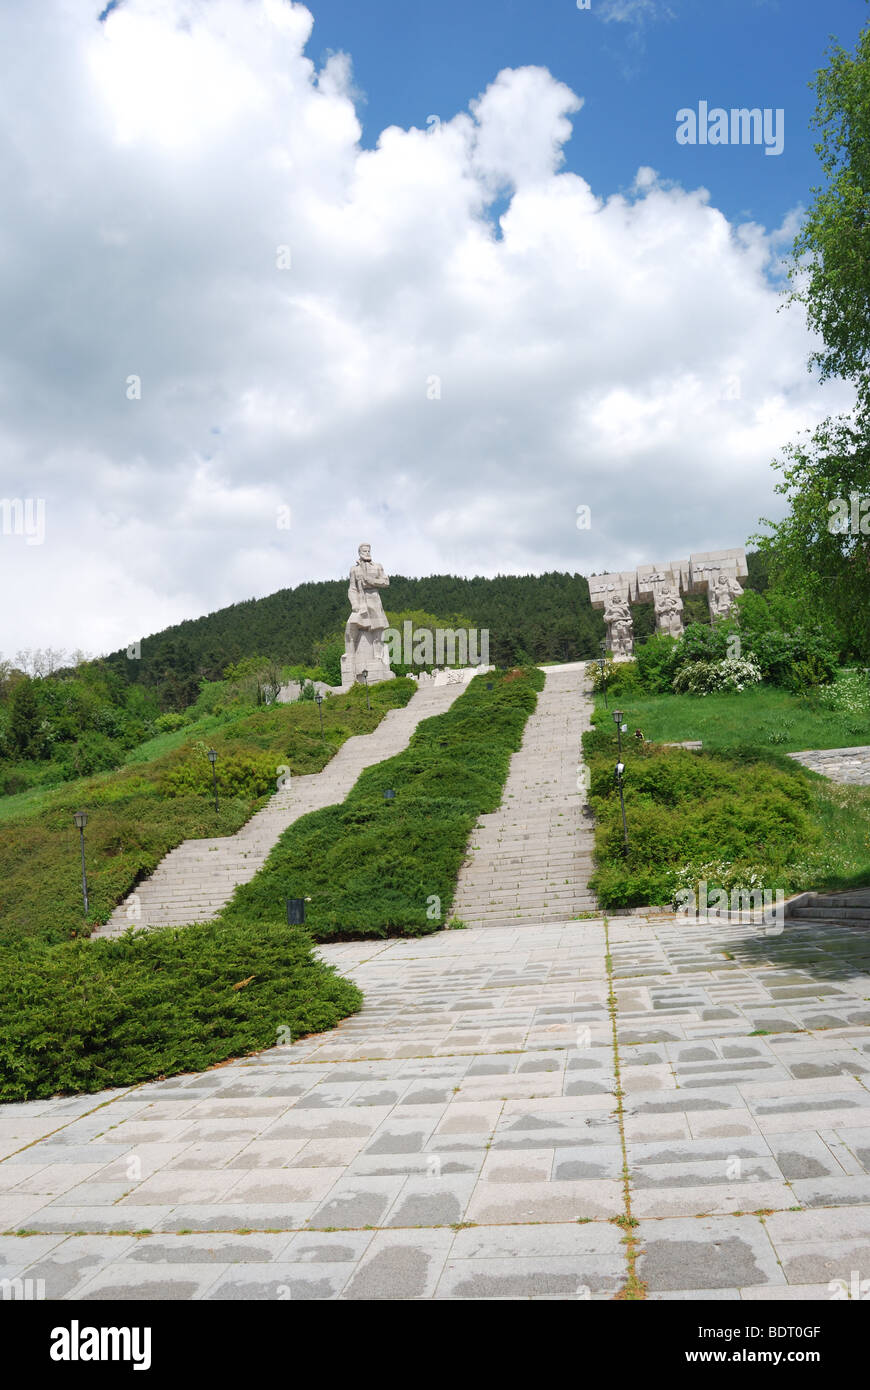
x=277 y=279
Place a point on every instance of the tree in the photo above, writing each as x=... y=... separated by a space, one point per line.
x=24 y=719
x=831 y=266
x=820 y=552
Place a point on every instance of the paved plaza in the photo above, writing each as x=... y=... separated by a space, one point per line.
x=464 y=1136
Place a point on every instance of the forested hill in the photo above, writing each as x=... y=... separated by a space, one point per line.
x=544 y=617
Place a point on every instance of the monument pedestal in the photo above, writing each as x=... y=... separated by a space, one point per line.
x=352 y=667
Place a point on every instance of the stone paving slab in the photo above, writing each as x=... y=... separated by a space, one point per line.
x=463 y=1137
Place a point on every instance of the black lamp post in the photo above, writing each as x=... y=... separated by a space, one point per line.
x=617 y=719
x=364 y=677
x=318 y=700
x=212 y=757
x=619 y=774
x=81 y=820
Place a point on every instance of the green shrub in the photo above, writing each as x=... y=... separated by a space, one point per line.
x=92 y=752
x=134 y=823
x=705 y=677
x=795 y=661
x=686 y=809
x=237 y=775
x=619 y=677
x=655 y=663
x=85 y=1015
x=372 y=867
x=170 y=721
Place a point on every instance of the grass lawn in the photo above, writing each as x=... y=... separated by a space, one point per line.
x=762 y=718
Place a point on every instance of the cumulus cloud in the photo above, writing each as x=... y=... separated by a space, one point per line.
x=217 y=306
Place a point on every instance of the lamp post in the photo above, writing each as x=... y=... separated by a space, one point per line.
x=617 y=719
x=212 y=757
x=619 y=774
x=364 y=677
x=318 y=700
x=81 y=820
x=389 y=794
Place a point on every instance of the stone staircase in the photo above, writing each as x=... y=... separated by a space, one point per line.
x=530 y=860
x=851 y=909
x=197 y=878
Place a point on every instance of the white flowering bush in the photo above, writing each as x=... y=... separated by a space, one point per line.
x=848 y=693
x=718 y=874
x=705 y=677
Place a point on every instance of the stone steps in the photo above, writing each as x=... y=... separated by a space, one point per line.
x=194 y=881
x=849 y=908
x=530 y=860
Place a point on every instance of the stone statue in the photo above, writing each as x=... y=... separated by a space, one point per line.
x=617 y=615
x=723 y=595
x=364 y=633
x=669 y=611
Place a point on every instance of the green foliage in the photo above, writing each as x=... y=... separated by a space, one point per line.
x=655 y=662
x=687 y=808
x=760 y=717
x=378 y=868
x=704 y=677
x=820 y=563
x=619 y=677
x=547 y=617
x=168 y=722
x=849 y=694
x=831 y=255
x=25 y=725
x=134 y=823
x=236 y=775
x=92 y=752
x=81 y=1016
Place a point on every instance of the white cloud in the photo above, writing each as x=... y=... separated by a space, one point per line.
x=624 y=352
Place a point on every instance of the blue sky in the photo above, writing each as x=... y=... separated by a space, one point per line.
x=413 y=59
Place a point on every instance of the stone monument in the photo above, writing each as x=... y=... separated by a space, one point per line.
x=617 y=615
x=669 y=610
x=714 y=572
x=364 y=648
x=723 y=595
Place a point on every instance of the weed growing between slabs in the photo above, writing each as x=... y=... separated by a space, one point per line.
x=374 y=867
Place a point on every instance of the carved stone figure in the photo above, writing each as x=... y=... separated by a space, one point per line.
x=669 y=611
x=723 y=595
x=364 y=633
x=617 y=615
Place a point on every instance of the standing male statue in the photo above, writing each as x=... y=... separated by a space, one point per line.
x=364 y=633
